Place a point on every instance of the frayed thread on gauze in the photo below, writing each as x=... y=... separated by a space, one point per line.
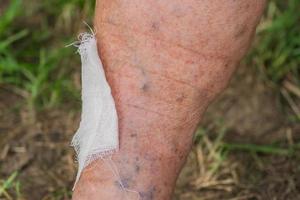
x=97 y=135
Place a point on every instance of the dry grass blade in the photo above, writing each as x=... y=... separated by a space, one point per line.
x=215 y=172
x=8 y=183
x=291 y=102
x=292 y=88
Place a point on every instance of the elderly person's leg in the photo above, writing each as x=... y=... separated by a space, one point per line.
x=165 y=60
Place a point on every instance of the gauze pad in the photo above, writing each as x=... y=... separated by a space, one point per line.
x=97 y=135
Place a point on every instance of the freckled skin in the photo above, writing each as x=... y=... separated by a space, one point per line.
x=165 y=61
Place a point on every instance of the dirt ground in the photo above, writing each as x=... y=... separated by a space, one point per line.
x=249 y=110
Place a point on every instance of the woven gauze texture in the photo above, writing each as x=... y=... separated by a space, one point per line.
x=97 y=135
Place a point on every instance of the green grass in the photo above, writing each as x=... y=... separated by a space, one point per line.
x=277 y=50
x=10 y=188
x=33 y=59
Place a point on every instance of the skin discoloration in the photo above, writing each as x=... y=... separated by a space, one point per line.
x=180 y=98
x=247 y=6
x=137 y=168
x=126 y=181
x=242 y=30
x=133 y=135
x=149 y=194
x=145 y=87
x=155 y=26
x=176 y=150
x=117 y=184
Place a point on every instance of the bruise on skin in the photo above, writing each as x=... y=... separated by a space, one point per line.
x=149 y=194
x=126 y=182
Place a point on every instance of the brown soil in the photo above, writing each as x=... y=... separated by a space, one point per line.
x=249 y=110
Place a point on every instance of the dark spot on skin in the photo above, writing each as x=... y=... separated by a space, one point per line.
x=176 y=150
x=148 y=195
x=180 y=98
x=143 y=71
x=165 y=183
x=247 y=6
x=133 y=135
x=155 y=26
x=174 y=145
x=145 y=87
x=126 y=182
x=181 y=157
x=137 y=168
x=226 y=65
x=241 y=31
x=137 y=158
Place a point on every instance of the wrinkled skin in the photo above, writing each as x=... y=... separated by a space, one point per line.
x=166 y=61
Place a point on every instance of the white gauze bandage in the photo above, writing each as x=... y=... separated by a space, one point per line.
x=97 y=136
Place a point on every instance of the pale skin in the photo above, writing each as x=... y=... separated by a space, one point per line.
x=166 y=61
